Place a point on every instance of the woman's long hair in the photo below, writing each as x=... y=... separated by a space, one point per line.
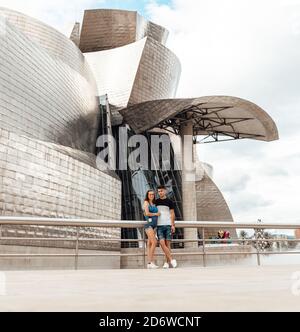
x=147 y=196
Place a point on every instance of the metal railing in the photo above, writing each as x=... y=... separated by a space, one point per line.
x=202 y=226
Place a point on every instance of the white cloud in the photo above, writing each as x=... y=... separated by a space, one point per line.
x=249 y=49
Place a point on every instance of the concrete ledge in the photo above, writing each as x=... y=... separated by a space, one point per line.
x=134 y=262
x=54 y=262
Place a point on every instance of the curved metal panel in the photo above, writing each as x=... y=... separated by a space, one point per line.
x=48 y=180
x=147 y=28
x=224 y=115
x=210 y=202
x=43 y=97
x=55 y=43
x=104 y=29
x=211 y=205
x=75 y=34
x=115 y=71
x=137 y=72
x=158 y=74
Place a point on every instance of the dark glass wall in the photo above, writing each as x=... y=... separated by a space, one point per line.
x=102 y=118
x=136 y=183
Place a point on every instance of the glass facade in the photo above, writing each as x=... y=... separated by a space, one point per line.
x=135 y=183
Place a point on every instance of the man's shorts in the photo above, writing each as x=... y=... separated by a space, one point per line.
x=164 y=232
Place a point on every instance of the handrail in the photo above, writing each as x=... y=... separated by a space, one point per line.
x=41 y=221
x=201 y=225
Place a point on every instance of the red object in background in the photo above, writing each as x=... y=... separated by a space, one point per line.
x=223 y=235
x=226 y=235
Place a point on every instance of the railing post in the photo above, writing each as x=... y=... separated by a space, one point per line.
x=144 y=247
x=77 y=248
x=258 y=257
x=258 y=253
x=203 y=246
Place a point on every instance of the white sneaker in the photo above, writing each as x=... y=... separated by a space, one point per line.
x=166 y=265
x=152 y=266
x=174 y=263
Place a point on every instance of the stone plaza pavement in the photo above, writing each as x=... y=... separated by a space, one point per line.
x=234 y=288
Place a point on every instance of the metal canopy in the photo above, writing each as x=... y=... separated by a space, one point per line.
x=216 y=117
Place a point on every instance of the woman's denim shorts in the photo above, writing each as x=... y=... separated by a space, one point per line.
x=152 y=224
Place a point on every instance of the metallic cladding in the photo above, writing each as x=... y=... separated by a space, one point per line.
x=104 y=29
x=44 y=97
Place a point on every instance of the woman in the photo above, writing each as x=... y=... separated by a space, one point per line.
x=151 y=213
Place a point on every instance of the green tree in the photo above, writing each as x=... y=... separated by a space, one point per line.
x=244 y=235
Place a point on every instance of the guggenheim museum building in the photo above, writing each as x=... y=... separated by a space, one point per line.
x=59 y=94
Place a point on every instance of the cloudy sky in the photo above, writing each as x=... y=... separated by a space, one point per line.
x=244 y=48
x=249 y=49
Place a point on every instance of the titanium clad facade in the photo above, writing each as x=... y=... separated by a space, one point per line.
x=141 y=71
x=52 y=41
x=158 y=74
x=43 y=97
x=107 y=29
x=147 y=28
x=44 y=179
x=67 y=181
x=49 y=113
x=115 y=71
x=104 y=29
x=75 y=34
x=211 y=205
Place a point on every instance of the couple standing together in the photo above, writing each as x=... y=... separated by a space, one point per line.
x=160 y=217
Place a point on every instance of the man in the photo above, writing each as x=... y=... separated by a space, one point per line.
x=165 y=225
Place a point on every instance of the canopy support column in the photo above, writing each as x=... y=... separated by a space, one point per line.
x=189 y=205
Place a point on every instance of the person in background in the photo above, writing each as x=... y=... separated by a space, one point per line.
x=223 y=235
